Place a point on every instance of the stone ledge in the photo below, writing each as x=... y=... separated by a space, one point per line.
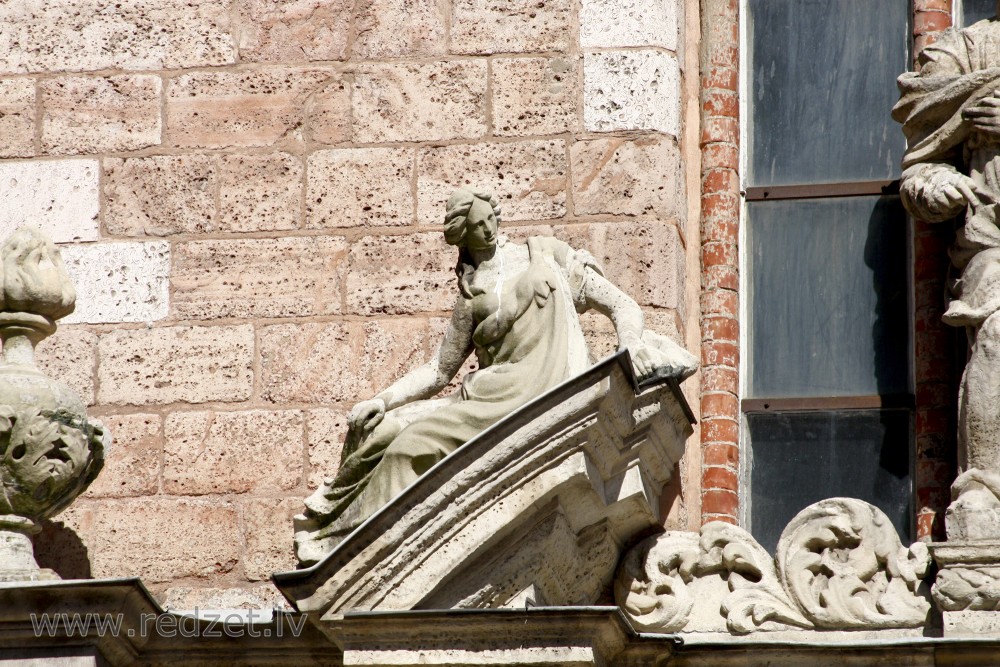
x=130 y=601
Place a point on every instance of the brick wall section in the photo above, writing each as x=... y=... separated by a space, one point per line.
x=720 y=215
x=935 y=372
x=249 y=197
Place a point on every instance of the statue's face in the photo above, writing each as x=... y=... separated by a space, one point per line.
x=480 y=226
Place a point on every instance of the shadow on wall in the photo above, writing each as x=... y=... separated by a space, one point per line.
x=59 y=548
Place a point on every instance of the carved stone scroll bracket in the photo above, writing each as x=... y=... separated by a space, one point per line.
x=839 y=566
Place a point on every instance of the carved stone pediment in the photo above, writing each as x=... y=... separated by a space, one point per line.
x=536 y=510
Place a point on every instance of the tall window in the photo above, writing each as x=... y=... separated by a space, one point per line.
x=827 y=390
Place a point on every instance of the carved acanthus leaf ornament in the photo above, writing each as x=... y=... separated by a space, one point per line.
x=839 y=565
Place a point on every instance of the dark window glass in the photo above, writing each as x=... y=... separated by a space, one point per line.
x=823 y=80
x=829 y=297
x=977 y=10
x=803 y=457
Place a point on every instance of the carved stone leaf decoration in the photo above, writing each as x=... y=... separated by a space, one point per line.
x=757 y=595
x=652 y=581
x=842 y=563
x=46 y=460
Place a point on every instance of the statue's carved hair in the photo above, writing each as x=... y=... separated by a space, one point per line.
x=457 y=210
x=455 y=217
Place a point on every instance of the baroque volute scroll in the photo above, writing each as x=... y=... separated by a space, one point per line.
x=49 y=450
x=839 y=566
x=516 y=307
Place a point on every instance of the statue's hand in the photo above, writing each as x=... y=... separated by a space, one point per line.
x=366 y=415
x=657 y=356
x=644 y=360
x=985 y=115
x=947 y=192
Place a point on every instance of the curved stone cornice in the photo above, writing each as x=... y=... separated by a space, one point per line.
x=534 y=510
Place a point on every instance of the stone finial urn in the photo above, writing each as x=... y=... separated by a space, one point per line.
x=49 y=451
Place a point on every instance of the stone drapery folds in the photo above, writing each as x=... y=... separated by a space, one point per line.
x=516 y=308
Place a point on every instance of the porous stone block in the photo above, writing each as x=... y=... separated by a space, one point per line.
x=119 y=282
x=647 y=261
x=970 y=623
x=88 y=114
x=259 y=192
x=17 y=117
x=232 y=452
x=67 y=542
x=627 y=177
x=162 y=539
x=337 y=361
x=69 y=356
x=644 y=258
x=160 y=195
x=189 y=598
x=246 y=108
x=360 y=187
x=510 y=26
x=81 y=35
x=631 y=90
x=528 y=177
x=394 y=28
x=399 y=275
x=420 y=101
x=268 y=525
x=326 y=429
x=60 y=197
x=176 y=364
x=328 y=112
x=602 y=340
x=615 y=23
x=535 y=96
x=280 y=277
x=296 y=30
x=132 y=464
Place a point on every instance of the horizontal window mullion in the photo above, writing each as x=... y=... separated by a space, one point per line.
x=811 y=403
x=817 y=190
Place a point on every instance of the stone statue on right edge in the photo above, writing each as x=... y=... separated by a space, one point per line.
x=950 y=111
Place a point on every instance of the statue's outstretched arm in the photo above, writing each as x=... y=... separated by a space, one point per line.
x=426 y=380
x=652 y=354
x=604 y=297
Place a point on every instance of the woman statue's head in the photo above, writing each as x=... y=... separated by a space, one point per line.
x=471 y=219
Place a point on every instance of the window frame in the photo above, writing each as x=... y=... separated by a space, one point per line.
x=760 y=193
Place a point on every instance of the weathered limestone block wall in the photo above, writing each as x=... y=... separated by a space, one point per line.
x=248 y=195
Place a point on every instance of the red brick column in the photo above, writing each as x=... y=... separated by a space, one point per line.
x=934 y=372
x=720 y=219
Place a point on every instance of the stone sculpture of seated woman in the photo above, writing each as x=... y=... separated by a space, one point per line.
x=516 y=308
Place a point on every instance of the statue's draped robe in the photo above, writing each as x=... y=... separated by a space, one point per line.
x=958 y=71
x=538 y=350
